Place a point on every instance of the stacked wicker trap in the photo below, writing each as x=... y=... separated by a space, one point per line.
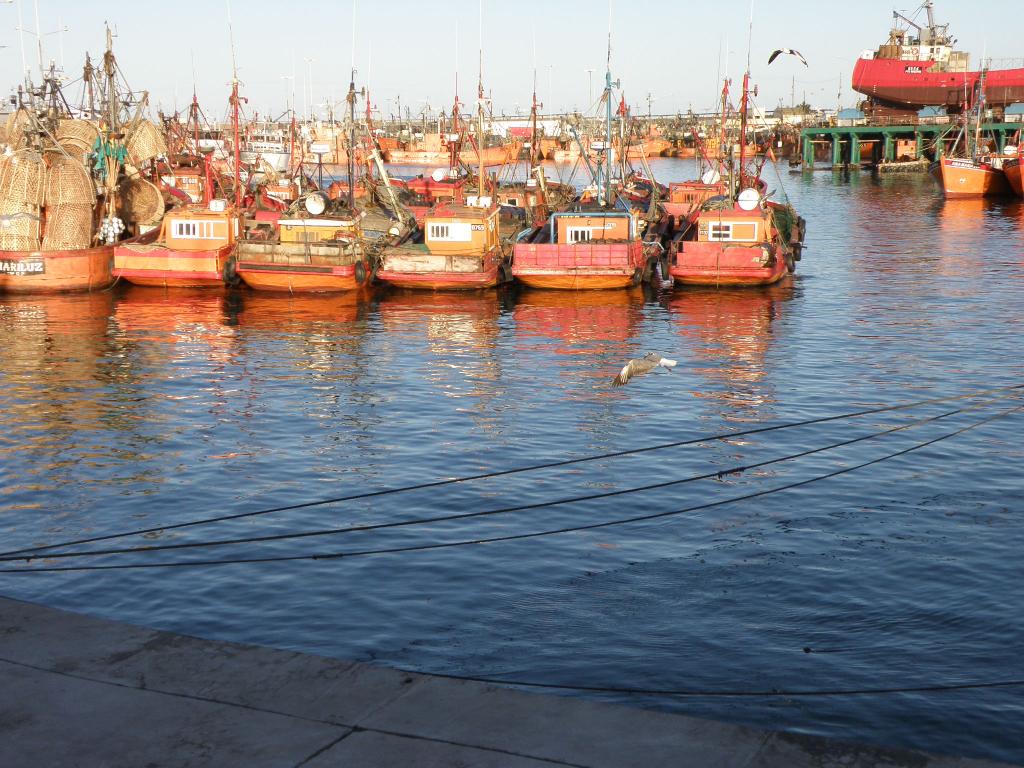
x=144 y=141
x=77 y=138
x=21 y=197
x=70 y=200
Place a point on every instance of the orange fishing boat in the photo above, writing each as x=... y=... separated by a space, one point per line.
x=749 y=241
x=65 y=196
x=311 y=250
x=461 y=250
x=1012 y=170
x=970 y=177
x=195 y=249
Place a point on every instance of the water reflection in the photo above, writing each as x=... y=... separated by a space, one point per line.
x=580 y=322
x=459 y=332
x=730 y=333
x=50 y=392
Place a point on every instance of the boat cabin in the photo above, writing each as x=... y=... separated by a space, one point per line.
x=319 y=230
x=200 y=228
x=734 y=226
x=462 y=229
x=579 y=227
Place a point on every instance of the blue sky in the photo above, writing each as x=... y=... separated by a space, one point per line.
x=407 y=49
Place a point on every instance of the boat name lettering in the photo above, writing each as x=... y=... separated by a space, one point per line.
x=913 y=70
x=13 y=267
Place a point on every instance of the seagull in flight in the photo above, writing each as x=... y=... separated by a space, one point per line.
x=640 y=365
x=789 y=52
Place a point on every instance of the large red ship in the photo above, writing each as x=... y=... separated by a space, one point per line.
x=918 y=68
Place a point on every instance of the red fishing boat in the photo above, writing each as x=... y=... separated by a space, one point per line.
x=917 y=67
x=739 y=239
x=583 y=250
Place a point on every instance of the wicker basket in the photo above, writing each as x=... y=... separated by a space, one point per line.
x=21 y=179
x=68 y=227
x=77 y=136
x=144 y=142
x=19 y=227
x=68 y=183
x=17 y=121
x=141 y=201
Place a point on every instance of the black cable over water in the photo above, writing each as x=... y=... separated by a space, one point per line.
x=739 y=693
x=521 y=536
x=514 y=471
x=489 y=513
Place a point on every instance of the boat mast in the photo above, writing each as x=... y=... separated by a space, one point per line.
x=352 y=139
x=480 y=111
x=608 y=120
x=234 y=111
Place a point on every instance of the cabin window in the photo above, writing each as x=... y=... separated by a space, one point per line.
x=513 y=201
x=733 y=231
x=720 y=232
x=194 y=230
x=453 y=232
x=579 y=234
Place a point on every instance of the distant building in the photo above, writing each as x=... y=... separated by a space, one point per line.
x=847 y=118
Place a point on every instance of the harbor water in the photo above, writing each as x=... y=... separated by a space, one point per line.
x=142 y=408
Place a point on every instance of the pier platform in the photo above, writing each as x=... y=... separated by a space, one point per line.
x=853 y=145
x=81 y=691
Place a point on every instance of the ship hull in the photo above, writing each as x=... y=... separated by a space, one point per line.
x=299 y=267
x=61 y=271
x=596 y=266
x=288 y=279
x=700 y=263
x=441 y=280
x=577 y=280
x=88 y=269
x=912 y=84
x=1013 y=176
x=960 y=178
x=166 y=268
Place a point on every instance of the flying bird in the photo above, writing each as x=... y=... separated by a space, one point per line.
x=788 y=51
x=640 y=365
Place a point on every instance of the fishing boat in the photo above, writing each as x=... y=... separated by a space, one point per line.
x=970 y=170
x=461 y=250
x=195 y=247
x=310 y=250
x=599 y=244
x=970 y=177
x=1011 y=167
x=918 y=67
x=738 y=237
x=316 y=246
x=462 y=245
x=67 y=193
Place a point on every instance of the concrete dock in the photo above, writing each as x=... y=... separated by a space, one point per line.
x=80 y=691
